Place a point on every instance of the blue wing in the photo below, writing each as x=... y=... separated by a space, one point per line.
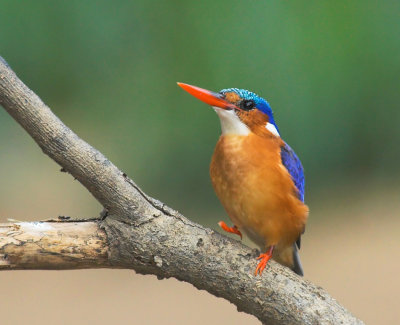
x=294 y=167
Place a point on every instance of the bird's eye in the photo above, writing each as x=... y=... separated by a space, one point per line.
x=247 y=104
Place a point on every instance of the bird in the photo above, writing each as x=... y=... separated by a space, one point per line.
x=257 y=176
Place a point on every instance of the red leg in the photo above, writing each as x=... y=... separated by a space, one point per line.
x=264 y=260
x=233 y=230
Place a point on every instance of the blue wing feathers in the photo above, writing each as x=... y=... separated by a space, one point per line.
x=294 y=167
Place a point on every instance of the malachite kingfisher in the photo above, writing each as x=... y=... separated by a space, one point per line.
x=256 y=175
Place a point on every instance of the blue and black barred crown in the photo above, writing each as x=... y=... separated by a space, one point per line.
x=261 y=103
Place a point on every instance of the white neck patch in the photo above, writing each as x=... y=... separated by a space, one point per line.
x=271 y=128
x=230 y=123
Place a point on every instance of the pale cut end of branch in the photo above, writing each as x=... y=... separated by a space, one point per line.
x=52 y=245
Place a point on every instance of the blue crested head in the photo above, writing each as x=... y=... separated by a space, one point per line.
x=260 y=103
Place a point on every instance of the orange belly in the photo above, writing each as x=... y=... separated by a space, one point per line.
x=256 y=190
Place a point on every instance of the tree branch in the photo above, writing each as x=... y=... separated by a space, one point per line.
x=140 y=233
x=52 y=245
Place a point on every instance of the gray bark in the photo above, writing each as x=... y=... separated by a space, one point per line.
x=138 y=232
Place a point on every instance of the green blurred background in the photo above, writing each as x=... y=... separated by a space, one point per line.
x=330 y=71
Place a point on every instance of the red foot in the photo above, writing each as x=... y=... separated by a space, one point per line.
x=264 y=260
x=233 y=230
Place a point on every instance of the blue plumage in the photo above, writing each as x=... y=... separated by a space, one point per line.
x=294 y=167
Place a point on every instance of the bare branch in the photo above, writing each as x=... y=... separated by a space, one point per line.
x=52 y=245
x=143 y=234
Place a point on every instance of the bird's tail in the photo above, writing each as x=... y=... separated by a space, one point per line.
x=289 y=256
x=297 y=268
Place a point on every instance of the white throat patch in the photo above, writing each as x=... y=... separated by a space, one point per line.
x=230 y=123
x=271 y=128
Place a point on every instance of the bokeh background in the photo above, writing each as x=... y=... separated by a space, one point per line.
x=108 y=69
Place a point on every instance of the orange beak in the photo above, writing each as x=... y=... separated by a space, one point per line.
x=207 y=96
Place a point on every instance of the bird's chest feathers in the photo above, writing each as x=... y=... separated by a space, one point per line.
x=245 y=163
x=253 y=185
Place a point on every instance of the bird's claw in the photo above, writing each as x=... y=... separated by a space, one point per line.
x=233 y=230
x=265 y=257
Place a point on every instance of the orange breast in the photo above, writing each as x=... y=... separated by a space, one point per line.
x=256 y=190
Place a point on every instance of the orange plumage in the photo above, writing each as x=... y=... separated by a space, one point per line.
x=258 y=193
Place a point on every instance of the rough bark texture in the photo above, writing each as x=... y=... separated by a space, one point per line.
x=141 y=233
